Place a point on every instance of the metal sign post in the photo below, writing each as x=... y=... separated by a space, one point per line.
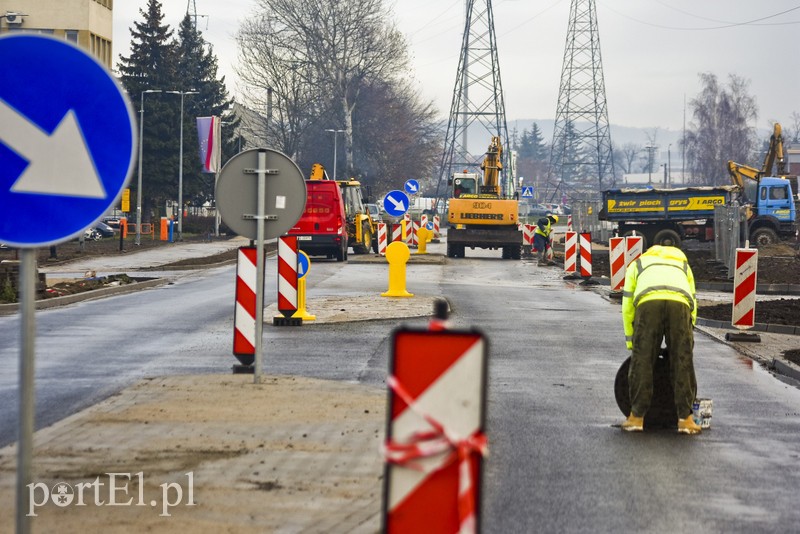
x=261 y=171
x=26 y=386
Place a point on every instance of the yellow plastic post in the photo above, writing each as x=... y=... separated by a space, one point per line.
x=423 y=235
x=301 y=301
x=397 y=255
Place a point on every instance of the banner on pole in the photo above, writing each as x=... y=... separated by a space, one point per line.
x=209 y=134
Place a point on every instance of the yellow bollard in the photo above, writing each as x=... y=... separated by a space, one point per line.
x=303 y=267
x=301 y=301
x=424 y=236
x=397 y=255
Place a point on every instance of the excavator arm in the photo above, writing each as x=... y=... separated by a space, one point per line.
x=774 y=155
x=739 y=172
x=491 y=167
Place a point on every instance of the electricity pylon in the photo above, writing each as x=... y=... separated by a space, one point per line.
x=478 y=107
x=581 y=150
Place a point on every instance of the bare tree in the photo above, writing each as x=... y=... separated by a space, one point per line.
x=721 y=129
x=339 y=48
x=630 y=152
x=279 y=84
x=794 y=128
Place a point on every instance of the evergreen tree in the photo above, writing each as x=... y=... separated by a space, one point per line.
x=151 y=66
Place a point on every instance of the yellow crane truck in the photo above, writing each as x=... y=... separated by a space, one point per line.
x=478 y=215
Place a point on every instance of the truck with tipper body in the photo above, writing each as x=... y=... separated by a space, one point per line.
x=668 y=216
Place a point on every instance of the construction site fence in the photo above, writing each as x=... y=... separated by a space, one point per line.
x=730 y=233
x=586 y=218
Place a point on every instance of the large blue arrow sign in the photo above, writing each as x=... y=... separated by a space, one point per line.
x=395 y=203
x=67 y=140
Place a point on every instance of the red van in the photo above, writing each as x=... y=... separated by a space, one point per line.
x=322 y=230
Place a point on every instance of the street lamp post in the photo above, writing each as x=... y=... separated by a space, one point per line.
x=335 y=132
x=180 y=165
x=139 y=185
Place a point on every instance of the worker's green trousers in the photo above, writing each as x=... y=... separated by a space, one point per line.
x=653 y=321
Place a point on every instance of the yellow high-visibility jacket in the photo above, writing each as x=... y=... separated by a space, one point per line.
x=661 y=273
x=543 y=231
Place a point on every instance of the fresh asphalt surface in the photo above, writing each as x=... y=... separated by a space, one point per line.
x=557 y=463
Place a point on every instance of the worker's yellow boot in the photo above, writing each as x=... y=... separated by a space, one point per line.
x=688 y=426
x=633 y=424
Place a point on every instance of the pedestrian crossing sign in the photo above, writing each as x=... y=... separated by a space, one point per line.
x=527 y=191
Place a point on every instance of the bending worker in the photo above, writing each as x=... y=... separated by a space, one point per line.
x=541 y=238
x=658 y=301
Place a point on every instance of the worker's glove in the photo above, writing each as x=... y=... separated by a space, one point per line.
x=629 y=345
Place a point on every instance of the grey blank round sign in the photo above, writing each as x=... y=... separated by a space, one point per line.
x=237 y=193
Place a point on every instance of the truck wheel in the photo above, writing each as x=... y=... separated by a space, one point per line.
x=364 y=246
x=451 y=250
x=667 y=238
x=761 y=237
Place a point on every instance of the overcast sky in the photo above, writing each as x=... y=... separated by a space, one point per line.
x=652 y=50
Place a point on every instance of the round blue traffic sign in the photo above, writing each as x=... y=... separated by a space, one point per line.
x=395 y=203
x=303 y=264
x=429 y=226
x=411 y=187
x=67 y=140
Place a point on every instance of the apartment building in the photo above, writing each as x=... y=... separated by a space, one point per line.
x=87 y=23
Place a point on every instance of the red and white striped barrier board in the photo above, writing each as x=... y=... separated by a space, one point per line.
x=744 y=288
x=569 y=223
x=633 y=249
x=571 y=251
x=244 y=316
x=435 y=440
x=382 y=241
x=414 y=236
x=586 y=254
x=436 y=226
x=423 y=220
x=527 y=234
x=409 y=237
x=397 y=232
x=287 y=275
x=616 y=259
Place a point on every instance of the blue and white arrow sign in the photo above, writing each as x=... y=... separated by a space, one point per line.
x=395 y=203
x=527 y=191
x=303 y=264
x=411 y=187
x=67 y=140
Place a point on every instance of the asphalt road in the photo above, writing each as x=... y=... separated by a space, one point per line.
x=557 y=461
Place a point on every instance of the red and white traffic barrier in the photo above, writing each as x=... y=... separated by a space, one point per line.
x=633 y=249
x=244 y=316
x=423 y=220
x=571 y=251
x=435 y=440
x=616 y=260
x=397 y=232
x=436 y=226
x=287 y=275
x=744 y=288
x=414 y=236
x=569 y=223
x=382 y=241
x=586 y=254
x=527 y=234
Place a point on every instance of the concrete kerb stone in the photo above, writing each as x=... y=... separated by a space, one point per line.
x=8 y=309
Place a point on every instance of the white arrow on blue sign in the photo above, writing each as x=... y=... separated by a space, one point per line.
x=412 y=187
x=527 y=191
x=67 y=140
x=303 y=264
x=395 y=203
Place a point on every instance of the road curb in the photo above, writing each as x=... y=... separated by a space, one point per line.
x=7 y=309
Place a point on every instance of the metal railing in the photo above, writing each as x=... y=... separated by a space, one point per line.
x=586 y=218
